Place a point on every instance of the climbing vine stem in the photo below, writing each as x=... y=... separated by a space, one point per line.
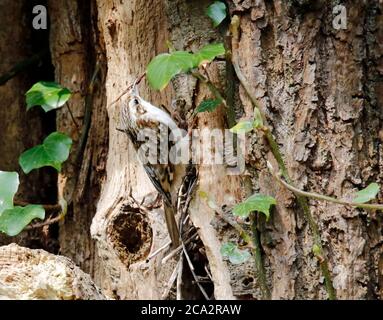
x=317 y=196
x=302 y=201
x=252 y=241
x=257 y=254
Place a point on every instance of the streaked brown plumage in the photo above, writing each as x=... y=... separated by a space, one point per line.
x=138 y=114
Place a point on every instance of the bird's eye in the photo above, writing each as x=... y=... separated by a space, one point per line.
x=133 y=102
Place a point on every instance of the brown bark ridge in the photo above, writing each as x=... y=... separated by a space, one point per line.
x=79 y=61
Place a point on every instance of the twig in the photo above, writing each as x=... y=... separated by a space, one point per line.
x=179 y=278
x=302 y=201
x=322 y=197
x=155 y=253
x=230 y=85
x=242 y=232
x=50 y=208
x=44 y=223
x=217 y=94
x=208 y=272
x=169 y=285
x=252 y=241
x=210 y=85
x=178 y=249
x=191 y=267
x=139 y=205
x=85 y=126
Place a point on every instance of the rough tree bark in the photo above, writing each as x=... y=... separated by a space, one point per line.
x=321 y=91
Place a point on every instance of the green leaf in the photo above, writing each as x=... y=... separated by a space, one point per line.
x=316 y=250
x=257 y=202
x=208 y=105
x=167 y=65
x=48 y=95
x=184 y=59
x=9 y=183
x=13 y=221
x=367 y=194
x=216 y=12
x=258 y=121
x=53 y=152
x=208 y=53
x=242 y=127
x=235 y=255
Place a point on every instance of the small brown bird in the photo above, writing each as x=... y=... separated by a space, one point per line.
x=137 y=115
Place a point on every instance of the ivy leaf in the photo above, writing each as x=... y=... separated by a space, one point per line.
x=242 y=127
x=208 y=105
x=316 y=250
x=53 y=152
x=208 y=53
x=48 y=95
x=9 y=183
x=165 y=66
x=257 y=202
x=367 y=194
x=13 y=221
x=258 y=121
x=235 y=255
x=216 y=12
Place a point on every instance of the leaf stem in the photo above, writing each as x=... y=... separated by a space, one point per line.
x=322 y=197
x=47 y=207
x=252 y=241
x=47 y=222
x=213 y=89
x=210 y=85
x=241 y=231
x=88 y=115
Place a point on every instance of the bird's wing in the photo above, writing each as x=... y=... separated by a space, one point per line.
x=159 y=176
x=156 y=114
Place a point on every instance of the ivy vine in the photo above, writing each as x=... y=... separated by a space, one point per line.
x=54 y=151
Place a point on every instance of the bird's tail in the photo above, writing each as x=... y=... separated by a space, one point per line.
x=172 y=225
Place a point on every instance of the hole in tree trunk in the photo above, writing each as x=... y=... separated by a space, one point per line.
x=131 y=234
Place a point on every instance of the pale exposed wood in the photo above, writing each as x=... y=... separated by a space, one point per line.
x=27 y=274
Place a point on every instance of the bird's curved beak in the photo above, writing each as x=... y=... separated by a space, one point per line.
x=134 y=91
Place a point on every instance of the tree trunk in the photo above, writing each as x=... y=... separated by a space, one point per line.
x=320 y=89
